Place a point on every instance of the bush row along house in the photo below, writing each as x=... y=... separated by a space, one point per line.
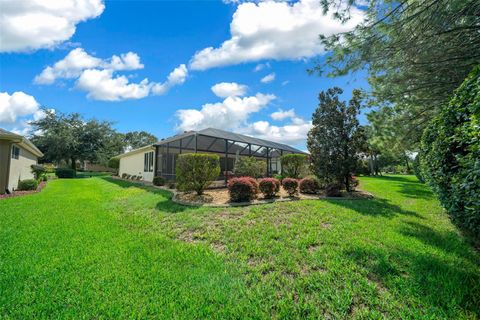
x=159 y=159
x=17 y=155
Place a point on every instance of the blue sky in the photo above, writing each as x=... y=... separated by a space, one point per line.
x=162 y=36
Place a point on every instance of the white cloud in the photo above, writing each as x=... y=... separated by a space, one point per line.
x=268 y=78
x=17 y=105
x=274 y=30
x=99 y=78
x=261 y=66
x=282 y=115
x=175 y=78
x=229 y=89
x=34 y=24
x=102 y=85
x=293 y=133
x=77 y=60
x=229 y=114
x=284 y=83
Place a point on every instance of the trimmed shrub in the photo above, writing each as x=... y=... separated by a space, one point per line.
x=333 y=190
x=27 y=185
x=309 y=185
x=128 y=176
x=38 y=171
x=450 y=155
x=242 y=189
x=171 y=185
x=294 y=165
x=250 y=167
x=279 y=177
x=196 y=171
x=290 y=185
x=269 y=187
x=49 y=167
x=124 y=175
x=114 y=163
x=66 y=173
x=158 y=181
x=134 y=177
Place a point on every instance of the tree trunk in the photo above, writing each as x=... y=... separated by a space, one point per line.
x=406 y=162
x=74 y=163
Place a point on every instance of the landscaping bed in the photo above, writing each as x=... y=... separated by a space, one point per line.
x=41 y=185
x=221 y=198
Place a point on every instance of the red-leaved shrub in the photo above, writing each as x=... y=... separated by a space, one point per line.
x=269 y=187
x=290 y=185
x=242 y=189
x=309 y=185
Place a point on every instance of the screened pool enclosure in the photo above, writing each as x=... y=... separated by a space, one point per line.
x=228 y=145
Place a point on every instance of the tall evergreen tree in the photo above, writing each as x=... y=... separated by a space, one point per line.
x=336 y=139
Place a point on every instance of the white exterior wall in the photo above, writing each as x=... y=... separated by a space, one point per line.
x=21 y=168
x=134 y=164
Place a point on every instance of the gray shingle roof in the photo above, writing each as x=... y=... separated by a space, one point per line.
x=217 y=133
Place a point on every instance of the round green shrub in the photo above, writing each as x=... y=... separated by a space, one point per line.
x=196 y=171
x=158 y=181
x=450 y=155
x=250 y=167
x=27 y=185
x=242 y=189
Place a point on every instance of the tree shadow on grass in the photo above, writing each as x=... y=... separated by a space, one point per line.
x=448 y=241
x=165 y=205
x=375 y=207
x=410 y=187
x=440 y=285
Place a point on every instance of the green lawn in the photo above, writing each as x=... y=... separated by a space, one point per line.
x=100 y=248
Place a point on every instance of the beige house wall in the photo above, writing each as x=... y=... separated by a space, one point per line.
x=21 y=168
x=133 y=164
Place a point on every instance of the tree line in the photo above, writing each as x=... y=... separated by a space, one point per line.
x=67 y=139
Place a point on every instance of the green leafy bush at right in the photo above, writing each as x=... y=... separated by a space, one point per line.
x=66 y=173
x=159 y=181
x=27 y=185
x=450 y=155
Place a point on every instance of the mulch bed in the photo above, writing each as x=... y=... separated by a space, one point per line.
x=220 y=198
x=41 y=185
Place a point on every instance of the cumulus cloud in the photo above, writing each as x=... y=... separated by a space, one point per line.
x=102 y=85
x=229 y=114
x=77 y=60
x=175 y=78
x=261 y=66
x=233 y=113
x=268 y=78
x=17 y=105
x=100 y=79
x=34 y=24
x=274 y=30
x=229 y=89
x=281 y=114
x=292 y=133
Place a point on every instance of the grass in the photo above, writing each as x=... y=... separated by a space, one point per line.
x=102 y=248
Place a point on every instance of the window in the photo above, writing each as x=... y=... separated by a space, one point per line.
x=148 y=162
x=15 y=152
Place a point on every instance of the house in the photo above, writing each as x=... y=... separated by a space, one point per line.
x=159 y=159
x=17 y=155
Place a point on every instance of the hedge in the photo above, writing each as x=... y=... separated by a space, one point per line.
x=269 y=187
x=195 y=171
x=290 y=185
x=450 y=155
x=158 y=181
x=65 y=173
x=250 y=167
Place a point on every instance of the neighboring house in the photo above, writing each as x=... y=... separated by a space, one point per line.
x=160 y=158
x=17 y=155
